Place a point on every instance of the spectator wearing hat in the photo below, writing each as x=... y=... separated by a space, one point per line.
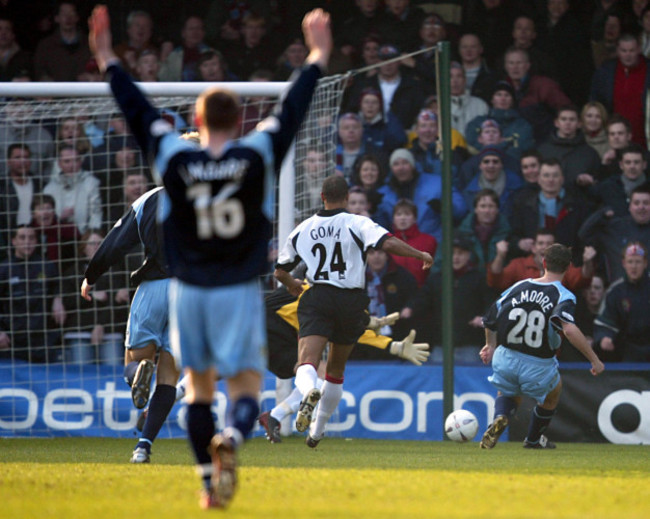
x=424 y=145
x=493 y=175
x=537 y=96
x=405 y=227
x=380 y=131
x=401 y=94
x=401 y=24
x=464 y=107
x=622 y=328
x=423 y=190
x=579 y=161
x=489 y=136
x=471 y=297
x=516 y=132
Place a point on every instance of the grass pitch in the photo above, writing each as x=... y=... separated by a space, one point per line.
x=91 y=478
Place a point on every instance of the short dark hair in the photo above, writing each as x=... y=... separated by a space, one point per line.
x=619 y=119
x=643 y=189
x=543 y=231
x=568 y=108
x=355 y=178
x=633 y=147
x=405 y=203
x=335 y=189
x=551 y=161
x=40 y=199
x=218 y=109
x=531 y=153
x=558 y=258
x=487 y=192
x=18 y=146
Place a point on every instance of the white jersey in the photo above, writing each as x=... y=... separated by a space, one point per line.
x=333 y=245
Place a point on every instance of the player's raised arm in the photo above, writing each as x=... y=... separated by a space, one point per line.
x=318 y=37
x=99 y=37
x=139 y=113
x=284 y=124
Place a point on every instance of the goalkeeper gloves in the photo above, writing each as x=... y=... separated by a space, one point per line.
x=377 y=323
x=415 y=352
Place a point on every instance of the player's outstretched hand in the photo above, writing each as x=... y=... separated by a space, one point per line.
x=318 y=36
x=414 y=352
x=377 y=323
x=486 y=354
x=597 y=367
x=427 y=261
x=85 y=290
x=99 y=36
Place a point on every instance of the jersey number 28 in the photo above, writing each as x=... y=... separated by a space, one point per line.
x=217 y=215
x=528 y=329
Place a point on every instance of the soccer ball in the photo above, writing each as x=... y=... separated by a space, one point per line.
x=461 y=426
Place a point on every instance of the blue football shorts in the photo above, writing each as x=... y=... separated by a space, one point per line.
x=222 y=327
x=516 y=373
x=149 y=316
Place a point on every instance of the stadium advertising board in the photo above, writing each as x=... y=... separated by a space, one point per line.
x=380 y=400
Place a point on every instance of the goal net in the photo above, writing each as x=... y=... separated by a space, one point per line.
x=61 y=358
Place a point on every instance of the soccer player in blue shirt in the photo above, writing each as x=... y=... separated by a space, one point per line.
x=526 y=323
x=216 y=235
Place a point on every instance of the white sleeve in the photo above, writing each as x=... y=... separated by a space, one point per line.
x=370 y=232
x=288 y=256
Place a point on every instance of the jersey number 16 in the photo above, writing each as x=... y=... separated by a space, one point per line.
x=217 y=215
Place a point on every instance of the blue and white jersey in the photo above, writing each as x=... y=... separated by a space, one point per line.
x=527 y=316
x=217 y=229
x=138 y=226
x=333 y=244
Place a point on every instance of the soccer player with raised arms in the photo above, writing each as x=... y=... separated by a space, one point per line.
x=522 y=334
x=333 y=244
x=216 y=235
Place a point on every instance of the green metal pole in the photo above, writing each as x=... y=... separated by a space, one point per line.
x=444 y=111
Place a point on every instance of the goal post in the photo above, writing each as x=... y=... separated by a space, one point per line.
x=60 y=378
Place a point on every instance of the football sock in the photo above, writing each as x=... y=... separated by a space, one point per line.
x=291 y=404
x=143 y=443
x=241 y=417
x=539 y=421
x=504 y=406
x=332 y=393
x=288 y=406
x=200 y=430
x=181 y=387
x=160 y=404
x=306 y=378
x=129 y=371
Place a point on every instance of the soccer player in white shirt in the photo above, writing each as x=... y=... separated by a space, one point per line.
x=333 y=244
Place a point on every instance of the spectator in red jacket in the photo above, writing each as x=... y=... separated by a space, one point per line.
x=405 y=227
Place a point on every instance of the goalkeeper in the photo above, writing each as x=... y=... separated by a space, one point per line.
x=282 y=332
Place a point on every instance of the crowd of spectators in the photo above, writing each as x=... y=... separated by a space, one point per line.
x=549 y=143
